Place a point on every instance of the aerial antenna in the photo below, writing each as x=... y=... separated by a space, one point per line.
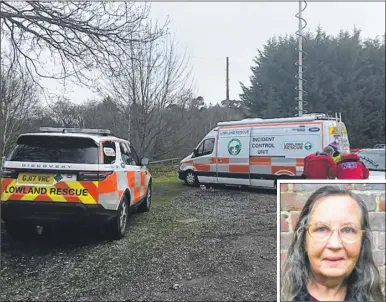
x=227 y=79
x=128 y=89
x=301 y=68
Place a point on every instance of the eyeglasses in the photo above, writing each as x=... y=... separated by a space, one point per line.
x=322 y=232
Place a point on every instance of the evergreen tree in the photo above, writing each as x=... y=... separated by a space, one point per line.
x=343 y=74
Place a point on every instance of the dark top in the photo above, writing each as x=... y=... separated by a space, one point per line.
x=306 y=296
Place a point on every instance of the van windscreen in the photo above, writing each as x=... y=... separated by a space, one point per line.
x=77 y=150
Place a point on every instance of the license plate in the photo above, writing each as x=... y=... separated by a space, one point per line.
x=35 y=179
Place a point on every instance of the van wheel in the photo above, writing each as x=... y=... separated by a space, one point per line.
x=191 y=179
x=146 y=202
x=116 y=229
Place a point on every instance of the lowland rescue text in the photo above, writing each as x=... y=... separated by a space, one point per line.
x=51 y=191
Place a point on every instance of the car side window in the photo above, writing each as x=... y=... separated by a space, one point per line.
x=206 y=147
x=134 y=154
x=109 y=152
x=373 y=160
x=128 y=157
x=200 y=149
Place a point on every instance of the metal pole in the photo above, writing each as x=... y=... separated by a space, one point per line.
x=227 y=79
x=128 y=89
x=300 y=66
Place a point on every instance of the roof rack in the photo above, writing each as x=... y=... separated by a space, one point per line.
x=321 y=116
x=103 y=132
x=304 y=118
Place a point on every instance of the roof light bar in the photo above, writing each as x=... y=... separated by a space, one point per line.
x=75 y=130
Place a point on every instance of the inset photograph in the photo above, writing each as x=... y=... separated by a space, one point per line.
x=332 y=240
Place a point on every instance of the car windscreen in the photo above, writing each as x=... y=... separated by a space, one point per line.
x=57 y=149
x=374 y=160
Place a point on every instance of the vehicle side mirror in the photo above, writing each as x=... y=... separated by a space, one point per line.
x=195 y=152
x=144 y=161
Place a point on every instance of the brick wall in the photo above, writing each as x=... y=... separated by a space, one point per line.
x=294 y=196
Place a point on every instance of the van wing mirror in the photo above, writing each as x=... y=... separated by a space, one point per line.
x=144 y=161
x=195 y=152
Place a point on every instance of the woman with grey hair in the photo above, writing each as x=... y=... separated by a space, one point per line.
x=330 y=256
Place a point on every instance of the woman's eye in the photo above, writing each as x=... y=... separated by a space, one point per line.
x=321 y=229
x=348 y=230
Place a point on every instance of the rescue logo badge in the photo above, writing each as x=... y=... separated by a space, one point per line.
x=234 y=146
x=308 y=146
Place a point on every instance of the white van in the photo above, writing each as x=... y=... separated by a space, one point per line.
x=256 y=152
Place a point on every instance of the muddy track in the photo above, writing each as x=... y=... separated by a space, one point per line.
x=204 y=245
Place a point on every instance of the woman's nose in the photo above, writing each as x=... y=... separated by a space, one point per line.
x=334 y=241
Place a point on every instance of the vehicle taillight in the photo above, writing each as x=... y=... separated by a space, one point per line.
x=93 y=176
x=8 y=173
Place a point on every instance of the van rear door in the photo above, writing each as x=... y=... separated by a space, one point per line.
x=337 y=136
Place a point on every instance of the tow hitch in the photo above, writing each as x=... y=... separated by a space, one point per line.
x=39 y=229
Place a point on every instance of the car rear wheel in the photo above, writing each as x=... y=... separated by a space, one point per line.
x=116 y=229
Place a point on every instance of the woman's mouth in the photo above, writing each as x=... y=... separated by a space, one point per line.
x=333 y=259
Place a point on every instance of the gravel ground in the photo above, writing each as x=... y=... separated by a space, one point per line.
x=204 y=245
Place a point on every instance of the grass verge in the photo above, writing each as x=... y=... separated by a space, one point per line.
x=166 y=184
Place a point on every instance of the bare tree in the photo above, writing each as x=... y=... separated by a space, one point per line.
x=18 y=103
x=78 y=36
x=104 y=114
x=65 y=113
x=155 y=81
x=175 y=130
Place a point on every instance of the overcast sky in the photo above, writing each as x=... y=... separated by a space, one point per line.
x=212 y=31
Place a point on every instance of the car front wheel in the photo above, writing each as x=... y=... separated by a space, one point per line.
x=146 y=202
